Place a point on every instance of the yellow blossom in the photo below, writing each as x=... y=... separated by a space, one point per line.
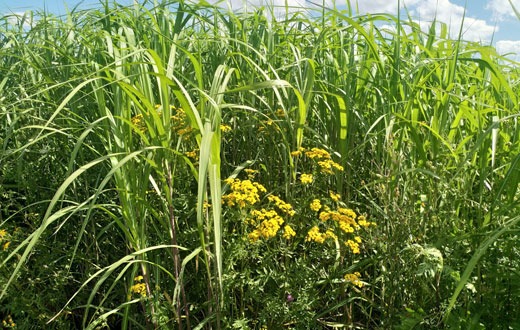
x=225 y=128
x=314 y=235
x=354 y=279
x=335 y=197
x=139 y=288
x=306 y=178
x=297 y=152
x=315 y=205
x=6 y=245
x=317 y=153
x=288 y=232
x=354 y=247
x=283 y=206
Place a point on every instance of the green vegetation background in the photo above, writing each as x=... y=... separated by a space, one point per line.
x=176 y=165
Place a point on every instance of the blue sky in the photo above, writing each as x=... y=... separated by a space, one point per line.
x=485 y=20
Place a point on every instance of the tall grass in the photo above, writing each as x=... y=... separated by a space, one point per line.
x=115 y=147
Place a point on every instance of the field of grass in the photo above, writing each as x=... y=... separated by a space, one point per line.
x=179 y=166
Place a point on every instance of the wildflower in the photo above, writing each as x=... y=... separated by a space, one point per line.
x=251 y=173
x=354 y=279
x=335 y=197
x=362 y=221
x=3 y=233
x=288 y=232
x=306 y=178
x=139 y=288
x=280 y=113
x=138 y=278
x=289 y=297
x=137 y=121
x=318 y=153
x=315 y=205
x=354 y=247
x=243 y=192
x=6 y=245
x=270 y=223
x=225 y=128
x=327 y=166
x=297 y=152
x=194 y=154
x=280 y=204
x=314 y=235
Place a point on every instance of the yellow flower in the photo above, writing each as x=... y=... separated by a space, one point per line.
x=251 y=173
x=138 y=278
x=288 y=232
x=139 y=288
x=280 y=113
x=225 y=128
x=315 y=205
x=3 y=233
x=354 y=247
x=297 y=152
x=306 y=178
x=314 y=235
x=317 y=153
x=335 y=197
x=354 y=279
x=283 y=206
x=6 y=245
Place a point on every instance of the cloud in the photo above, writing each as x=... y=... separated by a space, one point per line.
x=454 y=15
x=509 y=47
x=502 y=8
x=24 y=18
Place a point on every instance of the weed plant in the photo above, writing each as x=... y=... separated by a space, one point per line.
x=177 y=165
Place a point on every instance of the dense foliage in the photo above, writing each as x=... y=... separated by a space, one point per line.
x=175 y=165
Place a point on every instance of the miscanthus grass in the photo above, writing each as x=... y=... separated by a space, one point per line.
x=177 y=165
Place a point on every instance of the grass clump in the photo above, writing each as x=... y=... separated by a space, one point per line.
x=177 y=165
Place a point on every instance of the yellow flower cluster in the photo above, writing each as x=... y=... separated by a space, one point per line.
x=327 y=166
x=306 y=178
x=281 y=205
x=314 y=235
x=194 y=154
x=137 y=121
x=251 y=173
x=139 y=287
x=317 y=153
x=354 y=279
x=346 y=219
x=243 y=192
x=4 y=235
x=269 y=226
x=354 y=246
x=315 y=205
x=335 y=197
x=8 y=323
x=280 y=113
x=288 y=232
x=181 y=124
x=322 y=157
x=225 y=128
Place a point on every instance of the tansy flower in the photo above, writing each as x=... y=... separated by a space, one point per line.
x=315 y=205
x=288 y=232
x=225 y=128
x=354 y=279
x=354 y=247
x=335 y=197
x=306 y=178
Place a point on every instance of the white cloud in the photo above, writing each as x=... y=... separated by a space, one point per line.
x=16 y=18
x=509 y=47
x=454 y=15
x=502 y=8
